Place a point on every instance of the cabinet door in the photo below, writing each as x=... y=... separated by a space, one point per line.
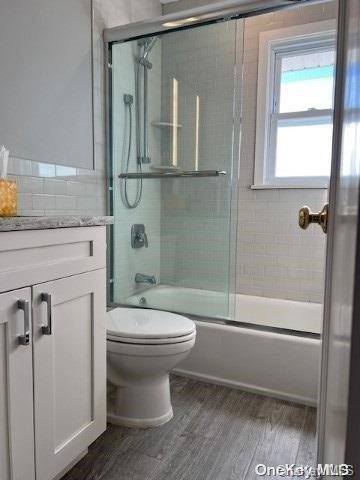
x=16 y=387
x=69 y=369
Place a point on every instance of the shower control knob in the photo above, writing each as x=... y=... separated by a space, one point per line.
x=142 y=238
x=138 y=236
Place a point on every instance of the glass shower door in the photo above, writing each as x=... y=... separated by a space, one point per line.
x=173 y=141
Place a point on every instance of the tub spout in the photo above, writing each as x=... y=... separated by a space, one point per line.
x=142 y=278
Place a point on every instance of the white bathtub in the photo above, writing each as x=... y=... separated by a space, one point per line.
x=186 y=300
x=254 y=355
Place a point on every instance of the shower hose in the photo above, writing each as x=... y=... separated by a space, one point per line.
x=127 y=202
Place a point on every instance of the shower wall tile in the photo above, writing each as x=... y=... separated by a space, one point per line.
x=275 y=258
x=195 y=214
x=129 y=261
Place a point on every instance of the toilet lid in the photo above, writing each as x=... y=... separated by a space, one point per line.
x=141 y=323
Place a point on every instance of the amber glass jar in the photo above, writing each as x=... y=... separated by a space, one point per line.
x=8 y=198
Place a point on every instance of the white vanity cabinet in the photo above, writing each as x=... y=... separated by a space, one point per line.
x=52 y=349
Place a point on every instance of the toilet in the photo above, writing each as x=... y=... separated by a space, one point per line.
x=143 y=346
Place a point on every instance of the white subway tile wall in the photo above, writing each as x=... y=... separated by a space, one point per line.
x=195 y=212
x=46 y=189
x=274 y=257
x=195 y=221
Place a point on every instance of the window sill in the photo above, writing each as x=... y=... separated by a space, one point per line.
x=288 y=186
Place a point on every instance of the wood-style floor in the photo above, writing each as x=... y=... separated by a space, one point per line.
x=217 y=433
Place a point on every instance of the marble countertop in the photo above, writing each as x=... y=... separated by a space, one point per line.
x=9 y=224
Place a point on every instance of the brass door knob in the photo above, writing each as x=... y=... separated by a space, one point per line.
x=306 y=216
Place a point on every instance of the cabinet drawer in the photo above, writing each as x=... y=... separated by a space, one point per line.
x=35 y=256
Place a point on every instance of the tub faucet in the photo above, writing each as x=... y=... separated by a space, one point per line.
x=142 y=278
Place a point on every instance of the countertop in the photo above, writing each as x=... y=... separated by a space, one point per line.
x=9 y=224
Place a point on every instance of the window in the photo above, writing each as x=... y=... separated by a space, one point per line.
x=295 y=106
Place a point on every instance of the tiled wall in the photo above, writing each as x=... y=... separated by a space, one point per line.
x=274 y=257
x=47 y=189
x=127 y=260
x=195 y=215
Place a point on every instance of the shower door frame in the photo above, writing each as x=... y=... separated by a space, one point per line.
x=210 y=14
x=233 y=171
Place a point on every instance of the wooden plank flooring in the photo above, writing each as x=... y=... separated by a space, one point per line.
x=217 y=433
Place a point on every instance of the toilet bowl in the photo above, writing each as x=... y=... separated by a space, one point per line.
x=143 y=346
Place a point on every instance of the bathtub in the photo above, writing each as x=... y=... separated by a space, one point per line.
x=270 y=347
x=186 y=300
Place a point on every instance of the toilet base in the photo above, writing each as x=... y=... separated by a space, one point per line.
x=139 y=422
x=141 y=404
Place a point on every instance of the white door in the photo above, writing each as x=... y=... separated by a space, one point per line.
x=69 y=369
x=339 y=422
x=17 y=461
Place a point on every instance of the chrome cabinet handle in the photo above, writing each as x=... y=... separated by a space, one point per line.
x=25 y=307
x=46 y=297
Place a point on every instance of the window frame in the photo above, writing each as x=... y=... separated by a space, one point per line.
x=273 y=45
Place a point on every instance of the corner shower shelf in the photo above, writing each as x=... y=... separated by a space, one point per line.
x=166 y=125
x=188 y=173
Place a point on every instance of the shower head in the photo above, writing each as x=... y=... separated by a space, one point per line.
x=148 y=46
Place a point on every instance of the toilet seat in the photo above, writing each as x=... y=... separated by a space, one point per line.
x=148 y=327
x=151 y=341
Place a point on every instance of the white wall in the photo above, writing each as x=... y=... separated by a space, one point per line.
x=45 y=78
x=185 y=5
